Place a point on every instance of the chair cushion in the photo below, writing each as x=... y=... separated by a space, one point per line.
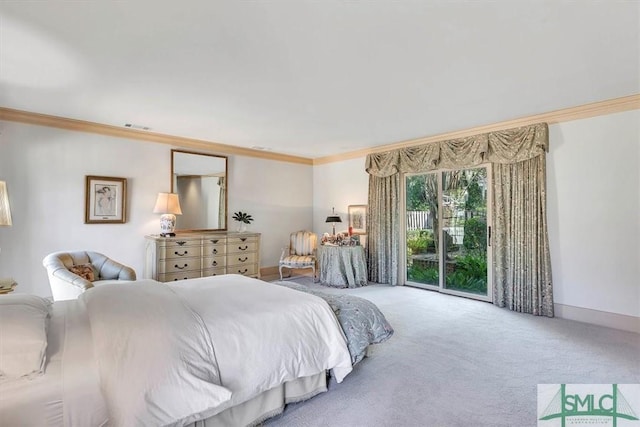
x=296 y=261
x=86 y=271
x=303 y=243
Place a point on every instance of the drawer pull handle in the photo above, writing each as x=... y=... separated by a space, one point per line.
x=181 y=268
x=243 y=249
x=243 y=239
x=214 y=263
x=181 y=243
x=214 y=241
x=243 y=259
x=243 y=272
x=179 y=254
x=215 y=251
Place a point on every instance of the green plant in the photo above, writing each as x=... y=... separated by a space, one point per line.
x=470 y=273
x=475 y=235
x=242 y=217
x=475 y=264
x=459 y=280
x=421 y=274
x=419 y=241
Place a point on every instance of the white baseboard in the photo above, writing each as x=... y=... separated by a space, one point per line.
x=597 y=317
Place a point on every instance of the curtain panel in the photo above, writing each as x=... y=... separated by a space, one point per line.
x=522 y=261
x=522 y=275
x=383 y=239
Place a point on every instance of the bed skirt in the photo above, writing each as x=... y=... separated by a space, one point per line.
x=267 y=404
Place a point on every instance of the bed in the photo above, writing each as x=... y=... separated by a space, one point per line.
x=219 y=351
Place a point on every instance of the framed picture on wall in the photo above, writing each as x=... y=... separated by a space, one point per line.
x=105 y=200
x=358 y=218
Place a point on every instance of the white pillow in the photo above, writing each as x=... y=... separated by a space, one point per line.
x=23 y=335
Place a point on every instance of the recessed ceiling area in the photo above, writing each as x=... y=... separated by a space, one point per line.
x=310 y=78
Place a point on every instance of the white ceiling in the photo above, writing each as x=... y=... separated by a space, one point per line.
x=314 y=78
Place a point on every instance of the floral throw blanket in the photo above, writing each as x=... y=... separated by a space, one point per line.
x=362 y=321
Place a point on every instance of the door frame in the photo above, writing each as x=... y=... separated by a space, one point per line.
x=441 y=265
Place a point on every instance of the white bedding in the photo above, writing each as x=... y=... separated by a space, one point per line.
x=156 y=362
x=263 y=335
x=205 y=338
x=68 y=394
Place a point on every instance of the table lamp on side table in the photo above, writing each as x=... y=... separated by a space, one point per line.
x=333 y=218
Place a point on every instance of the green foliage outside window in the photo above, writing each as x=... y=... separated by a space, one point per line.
x=470 y=274
x=420 y=241
x=475 y=235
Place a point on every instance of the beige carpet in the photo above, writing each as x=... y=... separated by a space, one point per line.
x=459 y=362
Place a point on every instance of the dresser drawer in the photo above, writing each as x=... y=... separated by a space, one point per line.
x=214 y=262
x=171 y=265
x=173 y=277
x=214 y=241
x=210 y=250
x=246 y=270
x=180 y=249
x=238 y=245
x=241 y=259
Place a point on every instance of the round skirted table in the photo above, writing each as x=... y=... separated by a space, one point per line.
x=342 y=266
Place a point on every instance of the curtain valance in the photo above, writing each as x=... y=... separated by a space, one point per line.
x=506 y=146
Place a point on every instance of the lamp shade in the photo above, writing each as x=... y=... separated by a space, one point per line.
x=167 y=203
x=5 y=209
x=333 y=218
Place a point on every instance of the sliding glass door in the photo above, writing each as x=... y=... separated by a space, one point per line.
x=447 y=234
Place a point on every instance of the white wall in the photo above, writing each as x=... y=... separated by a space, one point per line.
x=45 y=169
x=338 y=185
x=279 y=195
x=593 y=209
x=594 y=212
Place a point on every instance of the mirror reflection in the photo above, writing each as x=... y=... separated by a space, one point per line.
x=201 y=181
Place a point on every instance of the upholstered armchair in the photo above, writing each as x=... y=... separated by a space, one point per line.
x=72 y=273
x=301 y=252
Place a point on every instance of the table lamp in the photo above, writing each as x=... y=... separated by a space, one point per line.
x=333 y=218
x=167 y=204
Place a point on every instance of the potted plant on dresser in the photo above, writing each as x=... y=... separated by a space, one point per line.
x=243 y=220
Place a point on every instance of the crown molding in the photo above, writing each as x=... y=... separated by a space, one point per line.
x=38 y=119
x=611 y=106
x=600 y=108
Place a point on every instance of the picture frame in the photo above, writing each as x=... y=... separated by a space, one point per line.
x=358 y=219
x=105 y=200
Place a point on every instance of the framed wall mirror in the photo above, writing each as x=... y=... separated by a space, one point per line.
x=201 y=182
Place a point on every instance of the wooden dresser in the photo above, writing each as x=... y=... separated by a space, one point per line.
x=191 y=255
